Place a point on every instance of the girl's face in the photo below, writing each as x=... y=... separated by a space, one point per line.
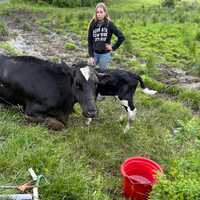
x=100 y=13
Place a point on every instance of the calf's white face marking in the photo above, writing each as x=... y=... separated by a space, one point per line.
x=86 y=72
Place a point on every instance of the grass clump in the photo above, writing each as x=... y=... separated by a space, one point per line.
x=10 y=50
x=70 y=46
x=43 y=30
x=3 y=31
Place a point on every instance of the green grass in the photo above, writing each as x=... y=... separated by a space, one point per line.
x=70 y=46
x=187 y=97
x=83 y=162
x=8 y=48
x=129 y=5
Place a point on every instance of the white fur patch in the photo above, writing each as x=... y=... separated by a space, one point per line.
x=88 y=121
x=132 y=114
x=86 y=72
x=131 y=117
x=124 y=103
x=148 y=91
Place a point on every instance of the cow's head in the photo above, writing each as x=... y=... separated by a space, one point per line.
x=84 y=88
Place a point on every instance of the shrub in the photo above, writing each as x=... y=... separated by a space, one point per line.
x=182 y=188
x=69 y=3
x=181 y=180
x=168 y=3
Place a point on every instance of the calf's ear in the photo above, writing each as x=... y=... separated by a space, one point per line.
x=103 y=78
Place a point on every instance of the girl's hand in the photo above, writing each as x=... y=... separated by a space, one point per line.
x=109 y=47
x=91 y=61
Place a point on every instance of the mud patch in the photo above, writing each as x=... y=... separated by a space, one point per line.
x=179 y=77
x=29 y=40
x=47 y=46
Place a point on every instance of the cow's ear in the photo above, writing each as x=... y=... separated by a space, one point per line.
x=73 y=72
x=103 y=78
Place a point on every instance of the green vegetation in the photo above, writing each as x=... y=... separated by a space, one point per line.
x=3 y=31
x=10 y=50
x=70 y=46
x=67 y=3
x=187 y=97
x=182 y=182
x=83 y=162
x=169 y=3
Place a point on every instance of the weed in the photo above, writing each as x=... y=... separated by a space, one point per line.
x=70 y=46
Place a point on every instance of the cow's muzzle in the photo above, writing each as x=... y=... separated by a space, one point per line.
x=90 y=113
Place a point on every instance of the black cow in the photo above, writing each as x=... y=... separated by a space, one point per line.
x=121 y=84
x=47 y=91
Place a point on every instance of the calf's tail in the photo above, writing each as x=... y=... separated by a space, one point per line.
x=145 y=89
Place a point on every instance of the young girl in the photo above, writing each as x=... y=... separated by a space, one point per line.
x=100 y=32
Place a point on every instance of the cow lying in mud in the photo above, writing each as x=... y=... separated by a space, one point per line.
x=122 y=84
x=47 y=91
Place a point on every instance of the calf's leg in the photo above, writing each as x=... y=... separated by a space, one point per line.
x=126 y=99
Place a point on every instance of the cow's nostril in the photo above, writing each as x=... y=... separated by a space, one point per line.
x=92 y=113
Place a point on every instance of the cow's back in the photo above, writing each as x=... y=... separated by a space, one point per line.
x=35 y=79
x=117 y=81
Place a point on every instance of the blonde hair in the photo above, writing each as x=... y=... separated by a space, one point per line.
x=103 y=6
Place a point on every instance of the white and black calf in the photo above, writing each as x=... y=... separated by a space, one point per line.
x=121 y=84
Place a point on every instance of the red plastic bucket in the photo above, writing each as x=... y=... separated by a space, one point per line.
x=139 y=176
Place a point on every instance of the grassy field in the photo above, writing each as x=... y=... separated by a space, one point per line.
x=83 y=162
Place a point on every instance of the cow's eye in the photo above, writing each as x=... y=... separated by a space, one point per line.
x=79 y=86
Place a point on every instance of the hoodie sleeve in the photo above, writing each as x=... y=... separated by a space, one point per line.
x=118 y=34
x=90 y=41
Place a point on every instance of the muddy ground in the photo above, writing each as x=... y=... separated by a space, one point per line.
x=25 y=36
